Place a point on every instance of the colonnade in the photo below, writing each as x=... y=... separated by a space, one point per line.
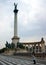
x=36 y=47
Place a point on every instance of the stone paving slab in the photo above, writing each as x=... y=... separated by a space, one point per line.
x=9 y=60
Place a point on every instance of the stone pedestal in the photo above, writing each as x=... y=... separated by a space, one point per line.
x=15 y=40
x=43 y=48
x=43 y=45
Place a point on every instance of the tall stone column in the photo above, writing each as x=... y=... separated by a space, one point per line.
x=15 y=38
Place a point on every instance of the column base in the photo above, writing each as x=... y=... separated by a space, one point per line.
x=15 y=40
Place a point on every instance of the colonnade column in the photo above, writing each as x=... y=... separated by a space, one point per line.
x=32 y=49
x=38 y=47
x=35 y=48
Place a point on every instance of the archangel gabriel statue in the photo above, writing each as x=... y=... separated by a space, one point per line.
x=15 y=6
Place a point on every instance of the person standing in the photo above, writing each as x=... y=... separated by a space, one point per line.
x=34 y=59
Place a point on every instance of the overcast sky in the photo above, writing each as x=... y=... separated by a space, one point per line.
x=31 y=20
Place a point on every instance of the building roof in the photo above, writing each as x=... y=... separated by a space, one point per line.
x=28 y=43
